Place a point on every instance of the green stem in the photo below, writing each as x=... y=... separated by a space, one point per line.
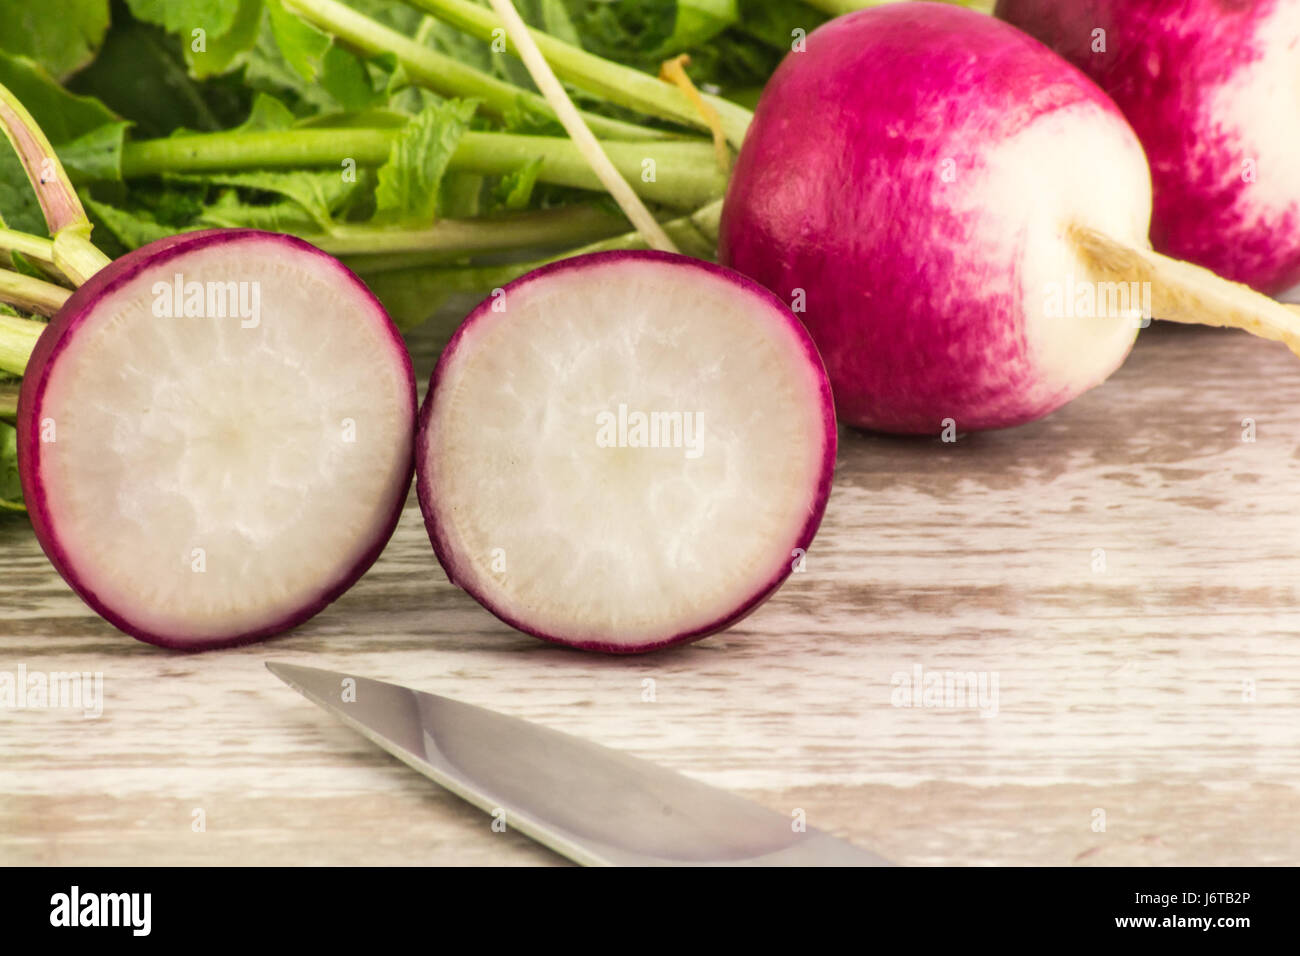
x=8 y=401
x=54 y=192
x=31 y=295
x=685 y=173
x=408 y=292
x=617 y=84
x=443 y=74
x=17 y=339
x=36 y=248
x=464 y=237
x=72 y=252
x=695 y=235
x=75 y=255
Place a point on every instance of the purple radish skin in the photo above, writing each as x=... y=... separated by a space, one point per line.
x=215 y=432
x=923 y=180
x=281 y=534
x=605 y=545
x=1212 y=90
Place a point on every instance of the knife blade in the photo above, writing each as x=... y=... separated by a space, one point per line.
x=594 y=805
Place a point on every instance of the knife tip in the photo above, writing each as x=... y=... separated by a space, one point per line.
x=279 y=669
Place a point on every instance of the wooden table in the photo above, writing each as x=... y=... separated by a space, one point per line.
x=1124 y=679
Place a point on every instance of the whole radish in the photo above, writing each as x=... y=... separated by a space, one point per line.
x=214 y=432
x=1213 y=91
x=908 y=181
x=960 y=217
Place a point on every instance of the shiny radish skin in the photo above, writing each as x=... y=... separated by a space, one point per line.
x=1213 y=90
x=105 y=528
x=613 y=547
x=910 y=180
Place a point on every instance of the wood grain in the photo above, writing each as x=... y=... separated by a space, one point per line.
x=1124 y=688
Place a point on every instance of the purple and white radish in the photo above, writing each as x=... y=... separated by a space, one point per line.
x=215 y=431
x=624 y=451
x=1213 y=92
x=942 y=196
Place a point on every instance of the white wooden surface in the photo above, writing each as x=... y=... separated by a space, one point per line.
x=1121 y=689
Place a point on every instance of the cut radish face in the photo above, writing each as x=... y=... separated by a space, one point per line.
x=215 y=436
x=626 y=450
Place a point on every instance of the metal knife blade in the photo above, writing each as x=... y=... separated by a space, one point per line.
x=595 y=805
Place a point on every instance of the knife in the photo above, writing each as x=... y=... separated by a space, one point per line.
x=597 y=806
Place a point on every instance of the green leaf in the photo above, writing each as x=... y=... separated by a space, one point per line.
x=220 y=54
x=301 y=44
x=553 y=17
x=364 y=119
x=214 y=17
x=347 y=80
x=232 y=212
x=16 y=196
x=699 y=21
x=647 y=30
x=269 y=68
x=11 y=489
x=291 y=54
x=774 y=21
x=62 y=115
x=525 y=117
x=460 y=194
x=268 y=113
x=391 y=13
x=515 y=190
x=141 y=75
x=408 y=182
x=97 y=155
x=79 y=126
x=731 y=42
x=315 y=193
x=131 y=229
x=60 y=35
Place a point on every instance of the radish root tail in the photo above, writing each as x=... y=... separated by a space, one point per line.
x=1187 y=293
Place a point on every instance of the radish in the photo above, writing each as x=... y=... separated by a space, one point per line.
x=627 y=450
x=960 y=217
x=1211 y=89
x=215 y=432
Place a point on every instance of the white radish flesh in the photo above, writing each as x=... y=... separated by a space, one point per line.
x=203 y=480
x=547 y=504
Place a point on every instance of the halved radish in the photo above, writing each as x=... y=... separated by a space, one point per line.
x=214 y=432
x=207 y=480
x=625 y=450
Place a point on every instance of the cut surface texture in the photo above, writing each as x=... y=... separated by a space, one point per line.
x=216 y=465
x=626 y=450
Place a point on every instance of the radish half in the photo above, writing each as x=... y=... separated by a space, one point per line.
x=201 y=480
x=215 y=432
x=1213 y=91
x=952 y=203
x=625 y=450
